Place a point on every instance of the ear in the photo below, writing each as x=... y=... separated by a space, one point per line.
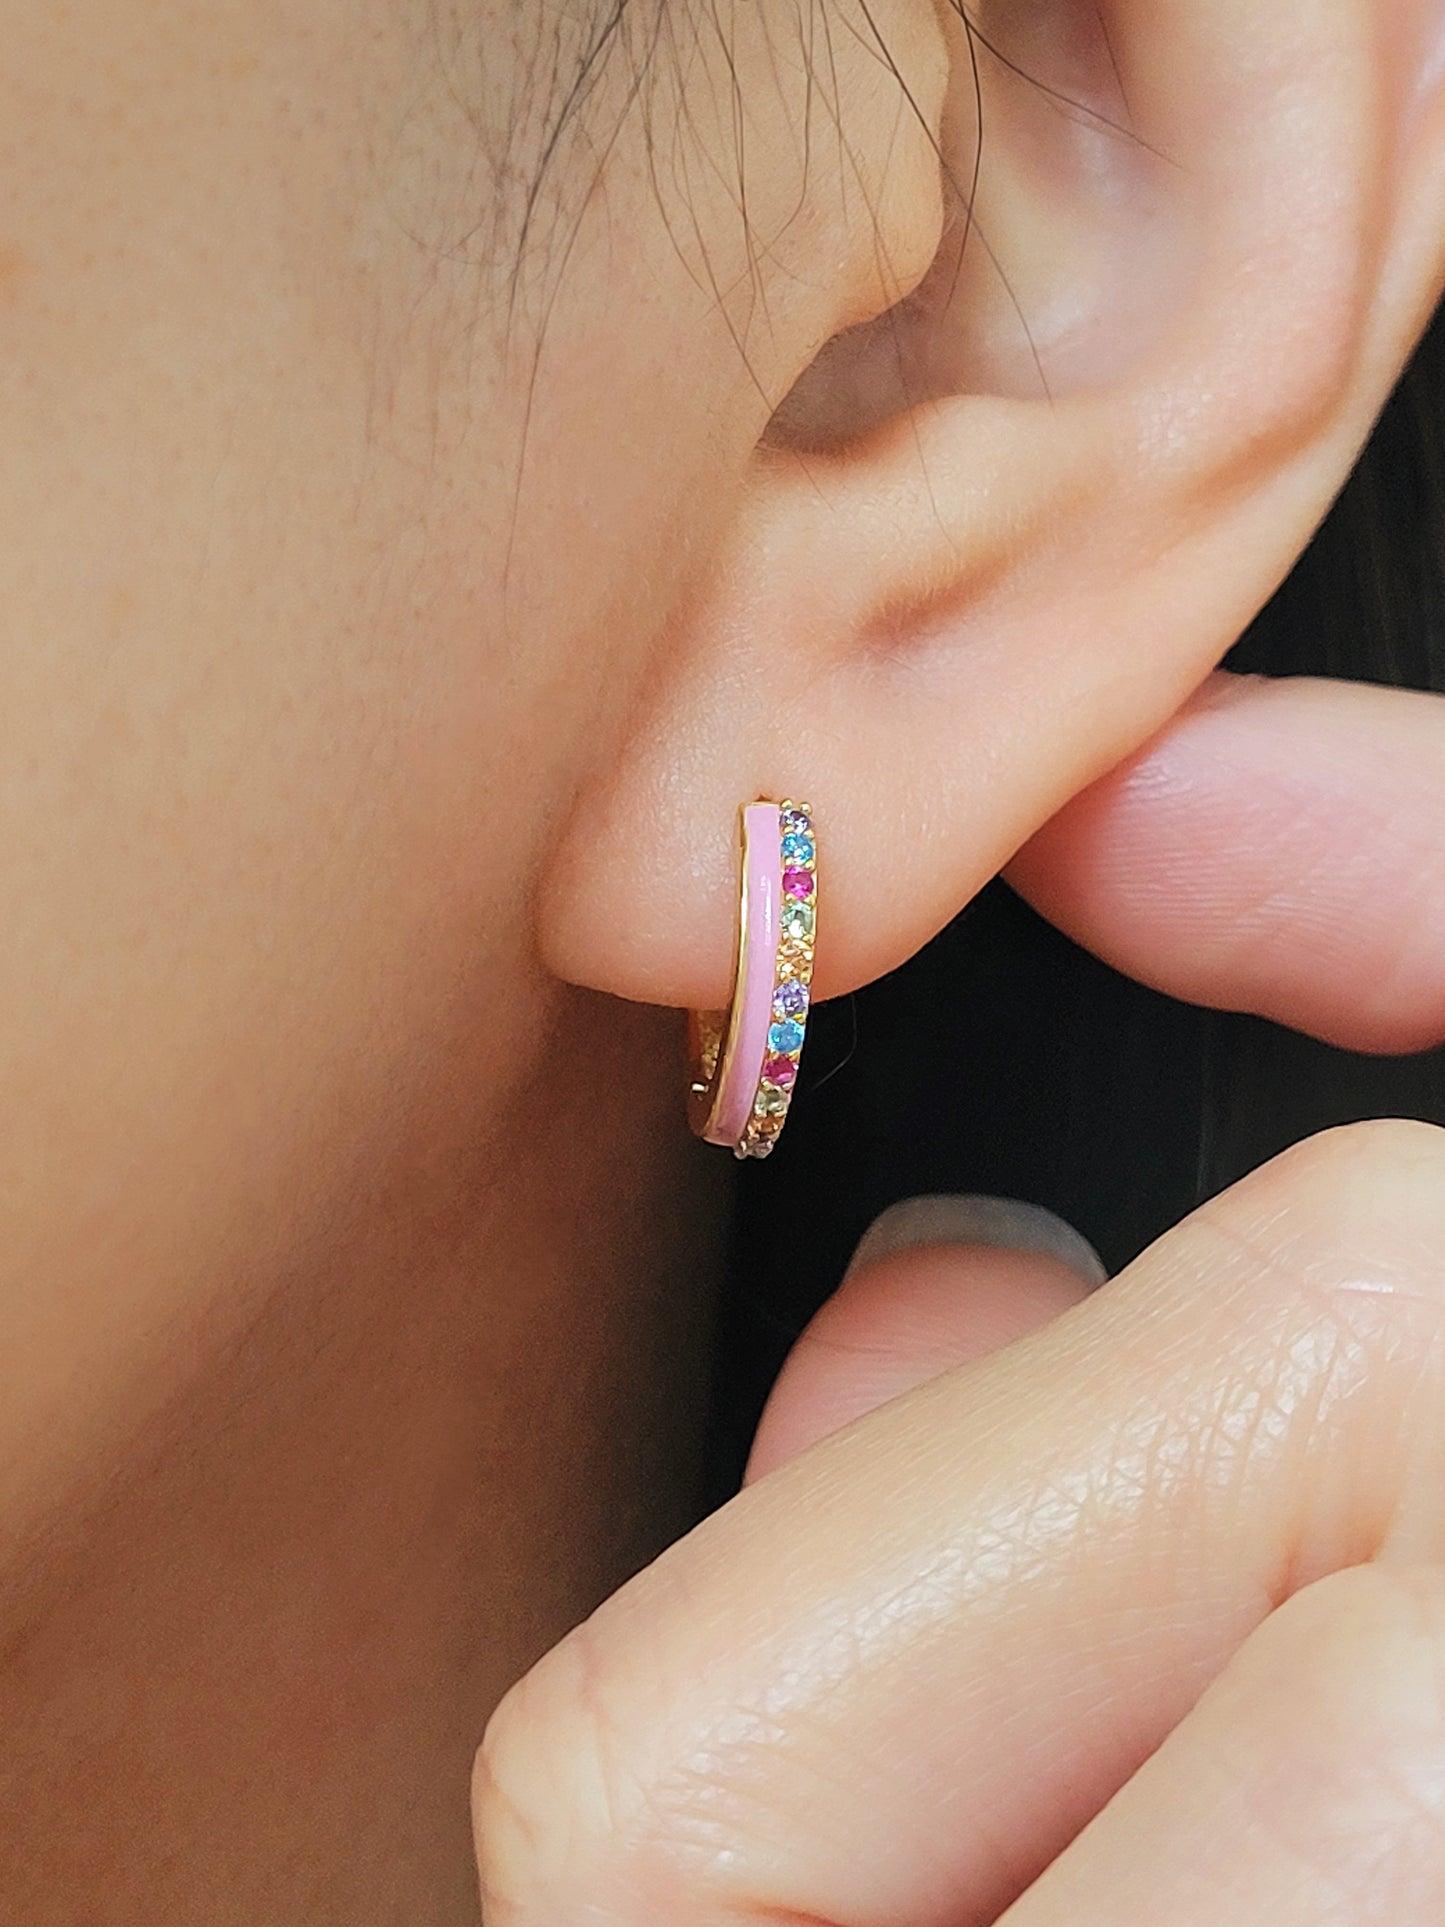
x=996 y=534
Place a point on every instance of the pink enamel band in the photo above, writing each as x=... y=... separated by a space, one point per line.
x=747 y=1033
x=745 y=1061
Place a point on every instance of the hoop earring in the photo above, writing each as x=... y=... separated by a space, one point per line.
x=745 y=1059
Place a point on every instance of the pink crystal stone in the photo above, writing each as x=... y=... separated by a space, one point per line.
x=798 y=883
x=780 y=1071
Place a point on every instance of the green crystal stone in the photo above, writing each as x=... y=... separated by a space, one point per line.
x=770 y=1103
x=798 y=922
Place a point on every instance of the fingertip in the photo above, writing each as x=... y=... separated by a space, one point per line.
x=951 y=1218
x=936 y=1282
x=1276 y=849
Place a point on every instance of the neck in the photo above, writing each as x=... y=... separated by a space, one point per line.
x=304 y=1565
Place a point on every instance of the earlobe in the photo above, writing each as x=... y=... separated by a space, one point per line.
x=951 y=600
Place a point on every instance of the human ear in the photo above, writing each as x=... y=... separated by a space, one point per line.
x=994 y=535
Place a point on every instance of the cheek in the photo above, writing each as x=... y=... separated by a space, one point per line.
x=322 y=595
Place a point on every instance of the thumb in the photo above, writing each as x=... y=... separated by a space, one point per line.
x=935 y=1282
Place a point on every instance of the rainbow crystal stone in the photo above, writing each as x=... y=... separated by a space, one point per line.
x=785 y=1037
x=790 y=999
x=798 y=922
x=792 y=979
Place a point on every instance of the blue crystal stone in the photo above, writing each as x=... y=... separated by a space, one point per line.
x=786 y=1036
x=797 y=848
x=790 y=999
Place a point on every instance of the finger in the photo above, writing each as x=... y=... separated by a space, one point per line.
x=1279 y=848
x=937 y=1281
x=1308 y=1785
x=892 y=1680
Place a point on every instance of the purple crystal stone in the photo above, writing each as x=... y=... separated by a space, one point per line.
x=790 y=999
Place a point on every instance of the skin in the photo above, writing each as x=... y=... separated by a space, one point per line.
x=1223 y=1466
x=336 y=1331
x=393 y=593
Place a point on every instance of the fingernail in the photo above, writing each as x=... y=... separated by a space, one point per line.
x=951 y=1218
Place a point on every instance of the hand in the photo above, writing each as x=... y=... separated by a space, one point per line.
x=901 y=1676
x=892 y=1681
x=1279 y=848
